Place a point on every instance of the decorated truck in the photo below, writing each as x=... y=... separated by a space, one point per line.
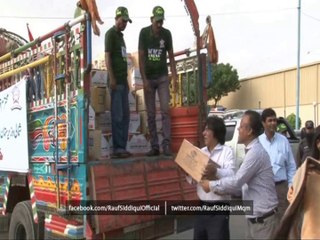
x=52 y=153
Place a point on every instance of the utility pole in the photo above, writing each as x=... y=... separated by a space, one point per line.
x=298 y=67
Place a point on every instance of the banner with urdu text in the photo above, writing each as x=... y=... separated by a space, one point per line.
x=14 y=154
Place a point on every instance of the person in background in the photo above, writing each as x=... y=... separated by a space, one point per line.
x=281 y=156
x=116 y=62
x=254 y=177
x=315 y=150
x=214 y=226
x=154 y=43
x=302 y=133
x=281 y=128
x=305 y=146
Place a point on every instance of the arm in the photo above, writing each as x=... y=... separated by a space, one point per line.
x=142 y=66
x=291 y=165
x=173 y=69
x=172 y=62
x=108 y=61
x=142 y=70
x=108 y=45
x=299 y=156
x=246 y=172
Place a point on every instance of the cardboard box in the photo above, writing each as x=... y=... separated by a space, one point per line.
x=137 y=143
x=136 y=79
x=192 y=160
x=98 y=99
x=103 y=122
x=132 y=102
x=99 y=146
x=108 y=100
x=99 y=121
x=134 y=125
x=99 y=78
x=92 y=118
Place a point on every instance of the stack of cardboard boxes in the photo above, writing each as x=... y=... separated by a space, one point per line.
x=99 y=116
x=100 y=134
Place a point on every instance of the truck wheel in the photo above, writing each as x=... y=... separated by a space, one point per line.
x=22 y=225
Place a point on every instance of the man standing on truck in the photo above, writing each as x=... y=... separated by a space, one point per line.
x=214 y=226
x=116 y=62
x=255 y=178
x=154 y=43
x=281 y=156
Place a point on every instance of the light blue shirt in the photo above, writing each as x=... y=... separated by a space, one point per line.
x=281 y=157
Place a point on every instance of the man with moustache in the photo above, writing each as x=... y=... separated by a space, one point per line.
x=281 y=157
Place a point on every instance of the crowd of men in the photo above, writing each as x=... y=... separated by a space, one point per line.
x=265 y=177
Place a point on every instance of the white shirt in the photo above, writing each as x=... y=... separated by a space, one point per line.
x=223 y=156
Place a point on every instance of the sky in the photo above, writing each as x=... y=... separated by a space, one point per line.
x=254 y=36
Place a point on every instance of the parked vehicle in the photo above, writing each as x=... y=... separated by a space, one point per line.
x=232 y=125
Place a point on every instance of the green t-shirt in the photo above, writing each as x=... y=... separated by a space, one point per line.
x=114 y=43
x=155 y=49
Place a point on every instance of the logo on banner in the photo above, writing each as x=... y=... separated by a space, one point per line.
x=16 y=99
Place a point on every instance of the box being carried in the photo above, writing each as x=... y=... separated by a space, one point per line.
x=192 y=160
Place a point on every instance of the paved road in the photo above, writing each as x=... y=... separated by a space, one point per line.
x=237 y=229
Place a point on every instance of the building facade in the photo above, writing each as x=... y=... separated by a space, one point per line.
x=279 y=90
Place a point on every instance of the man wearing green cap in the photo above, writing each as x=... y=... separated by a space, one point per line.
x=116 y=62
x=154 y=44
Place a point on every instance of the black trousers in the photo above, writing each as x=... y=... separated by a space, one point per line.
x=215 y=226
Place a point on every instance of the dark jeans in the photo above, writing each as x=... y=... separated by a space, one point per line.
x=161 y=86
x=120 y=117
x=282 y=190
x=211 y=227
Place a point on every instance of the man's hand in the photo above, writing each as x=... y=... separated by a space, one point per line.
x=113 y=84
x=146 y=86
x=205 y=185
x=210 y=172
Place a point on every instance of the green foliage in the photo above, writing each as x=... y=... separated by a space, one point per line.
x=292 y=121
x=225 y=79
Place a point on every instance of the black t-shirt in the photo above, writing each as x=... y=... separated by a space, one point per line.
x=114 y=43
x=155 y=49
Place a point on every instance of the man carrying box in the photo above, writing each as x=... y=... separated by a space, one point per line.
x=214 y=226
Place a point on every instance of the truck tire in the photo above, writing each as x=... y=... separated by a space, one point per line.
x=22 y=225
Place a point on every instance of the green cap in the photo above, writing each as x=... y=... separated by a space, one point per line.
x=281 y=127
x=158 y=13
x=123 y=12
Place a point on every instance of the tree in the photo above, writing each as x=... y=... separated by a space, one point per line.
x=225 y=79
